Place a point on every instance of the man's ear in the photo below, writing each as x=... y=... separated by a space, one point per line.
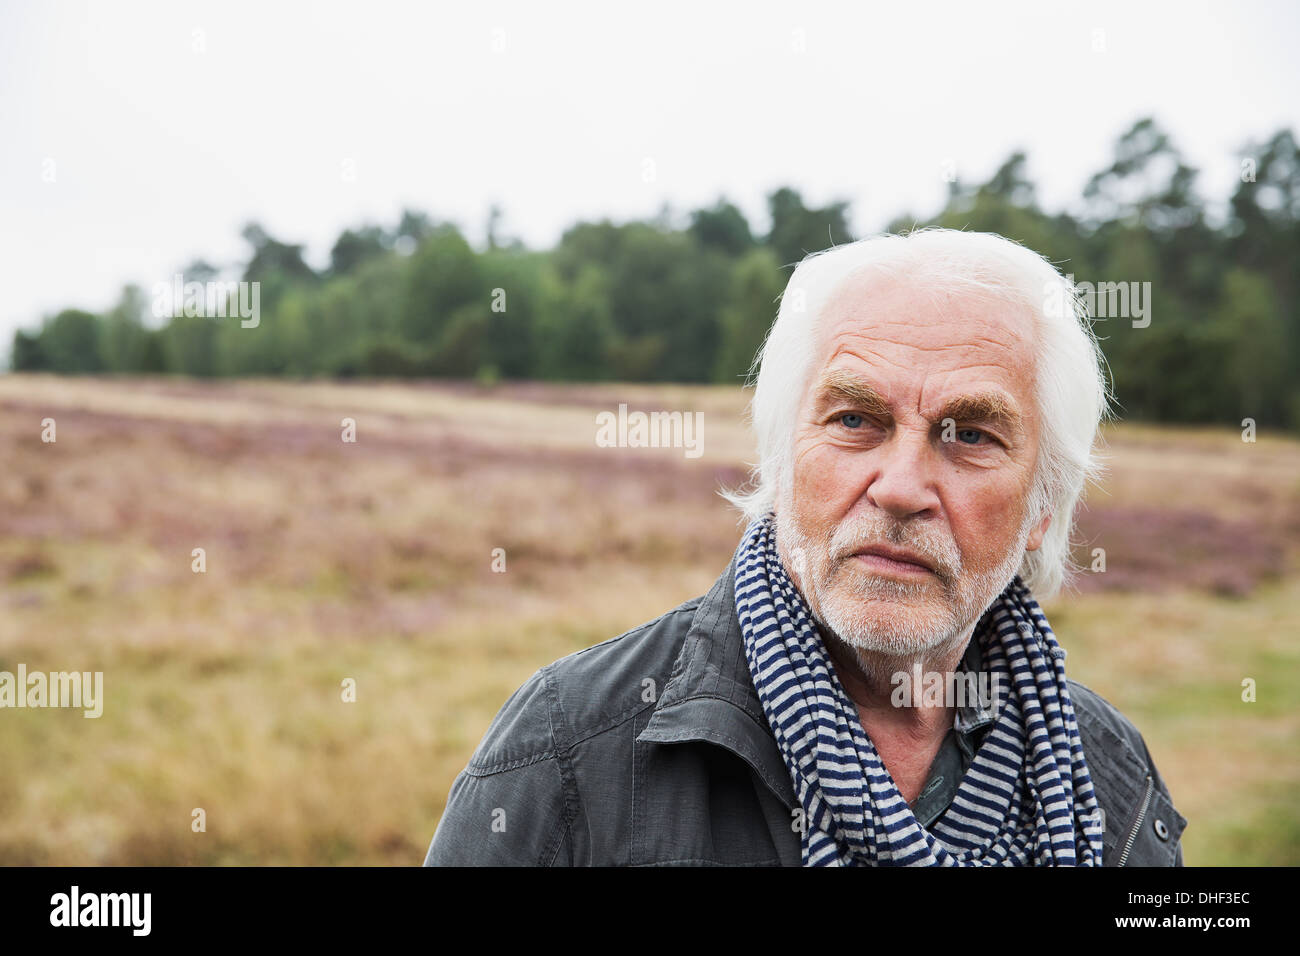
x=1036 y=536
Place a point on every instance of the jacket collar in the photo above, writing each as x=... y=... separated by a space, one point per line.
x=710 y=695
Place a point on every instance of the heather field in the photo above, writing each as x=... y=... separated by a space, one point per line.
x=373 y=561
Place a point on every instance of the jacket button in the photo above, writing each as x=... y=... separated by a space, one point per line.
x=1162 y=831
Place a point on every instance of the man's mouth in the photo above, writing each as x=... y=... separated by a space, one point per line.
x=890 y=560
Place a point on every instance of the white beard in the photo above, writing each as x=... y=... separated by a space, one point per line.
x=893 y=625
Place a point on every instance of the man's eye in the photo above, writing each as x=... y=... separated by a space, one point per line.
x=969 y=436
x=850 y=420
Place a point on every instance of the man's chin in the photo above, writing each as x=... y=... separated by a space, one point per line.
x=861 y=585
x=890 y=628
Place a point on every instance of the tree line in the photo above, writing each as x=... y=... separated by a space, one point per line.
x=691 y=300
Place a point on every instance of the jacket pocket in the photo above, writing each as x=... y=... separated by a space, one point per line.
x=1153 y=835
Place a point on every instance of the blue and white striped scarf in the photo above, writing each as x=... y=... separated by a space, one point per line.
x=1027 y=798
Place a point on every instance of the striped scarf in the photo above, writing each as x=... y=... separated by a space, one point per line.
x=1027 y=798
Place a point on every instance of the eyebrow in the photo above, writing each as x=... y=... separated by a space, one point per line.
x=988 y=408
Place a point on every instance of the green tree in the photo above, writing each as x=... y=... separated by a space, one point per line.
x=722 y=227
x=750 y=309
x=28 y=355
x=70 y=342
x=798 y=230
x=353 y=247
x=575 y=326
x=513 y=313
x=190 y=345
x=273 y=259
x=124 y=339
x=1251 y=334
x=442 y=275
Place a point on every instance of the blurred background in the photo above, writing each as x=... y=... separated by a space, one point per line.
x=473 y=229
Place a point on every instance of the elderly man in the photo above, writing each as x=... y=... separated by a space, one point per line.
x=926 y=409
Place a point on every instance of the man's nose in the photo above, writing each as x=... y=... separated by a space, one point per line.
x=902 y=478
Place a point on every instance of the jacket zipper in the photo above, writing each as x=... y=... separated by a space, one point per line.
x=1137 y=824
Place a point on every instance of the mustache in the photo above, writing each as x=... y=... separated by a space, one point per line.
x=849 y=537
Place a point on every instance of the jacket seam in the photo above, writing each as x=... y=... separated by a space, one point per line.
x=568 y=779
x=479 y=770
x=551 y=848
x=615 y=722
x=761 y=724
x=696 y=631
x=563 y=830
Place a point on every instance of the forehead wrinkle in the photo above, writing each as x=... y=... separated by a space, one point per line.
x=867 y=304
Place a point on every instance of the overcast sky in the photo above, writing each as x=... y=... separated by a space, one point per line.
x=166 y=126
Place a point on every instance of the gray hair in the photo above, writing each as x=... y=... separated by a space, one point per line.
x=1070 y=384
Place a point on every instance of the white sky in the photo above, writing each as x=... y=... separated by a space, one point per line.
x=165 y=140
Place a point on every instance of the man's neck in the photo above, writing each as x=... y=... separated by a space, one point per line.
x=906 y=738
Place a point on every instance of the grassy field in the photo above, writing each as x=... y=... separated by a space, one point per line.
x=328 y=560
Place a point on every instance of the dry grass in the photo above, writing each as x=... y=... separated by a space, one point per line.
x=372 y=560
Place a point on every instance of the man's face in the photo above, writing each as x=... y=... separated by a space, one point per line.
x=918 y=433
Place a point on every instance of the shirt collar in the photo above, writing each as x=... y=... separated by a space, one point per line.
x=976 y=713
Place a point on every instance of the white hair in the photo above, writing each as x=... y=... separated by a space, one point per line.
x=1070 y=383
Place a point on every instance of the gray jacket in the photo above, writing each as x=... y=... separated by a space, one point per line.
x=652 y=749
